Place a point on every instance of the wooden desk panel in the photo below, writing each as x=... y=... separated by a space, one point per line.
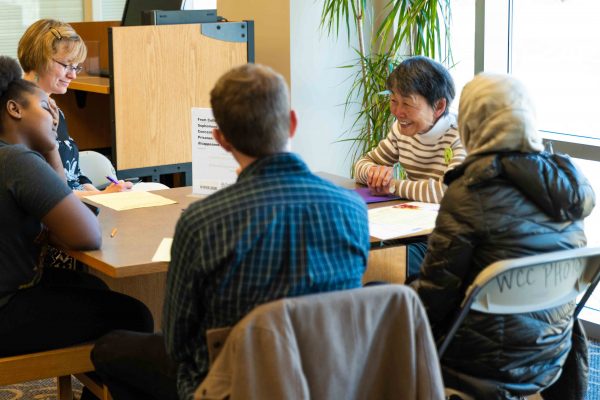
x=159 y=74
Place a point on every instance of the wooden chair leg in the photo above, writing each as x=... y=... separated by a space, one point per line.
x=96 y=387
x=105 y=393
x=64 y=388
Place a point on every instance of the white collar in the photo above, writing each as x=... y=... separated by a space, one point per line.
x=442 y=125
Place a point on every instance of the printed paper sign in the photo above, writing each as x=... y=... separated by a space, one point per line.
x=212 y=167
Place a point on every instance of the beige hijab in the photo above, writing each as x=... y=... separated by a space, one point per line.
x=496 y=115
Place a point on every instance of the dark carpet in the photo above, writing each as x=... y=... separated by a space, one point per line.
x=36 y=390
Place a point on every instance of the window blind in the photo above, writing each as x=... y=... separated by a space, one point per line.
x=112 y=10
x=17 y=15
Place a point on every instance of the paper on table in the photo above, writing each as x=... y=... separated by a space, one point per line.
x=130 y=200
x=212 y=167
x=403 y=220
x=163 y=253
x=148 y=186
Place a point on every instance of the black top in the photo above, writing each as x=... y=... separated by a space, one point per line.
x=69 y=154
x=29 y=189
x=502 y=206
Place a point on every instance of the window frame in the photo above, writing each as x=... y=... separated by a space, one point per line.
x=576 y=146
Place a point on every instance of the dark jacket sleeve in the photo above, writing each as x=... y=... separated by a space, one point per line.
x=582 y=197
x=565 y=194
x=447 y=263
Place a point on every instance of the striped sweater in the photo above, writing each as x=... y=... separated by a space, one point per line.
x=425 y=158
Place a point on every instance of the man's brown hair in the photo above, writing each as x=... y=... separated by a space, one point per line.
x=251 y=106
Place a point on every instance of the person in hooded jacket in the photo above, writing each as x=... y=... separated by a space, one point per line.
x=508 y=199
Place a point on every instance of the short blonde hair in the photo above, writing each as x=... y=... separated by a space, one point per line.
x=40 y=42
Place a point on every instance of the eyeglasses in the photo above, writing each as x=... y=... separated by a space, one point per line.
x=73 y=68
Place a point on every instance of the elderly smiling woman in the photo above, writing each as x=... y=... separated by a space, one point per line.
x=423 y=140
x=423 y=143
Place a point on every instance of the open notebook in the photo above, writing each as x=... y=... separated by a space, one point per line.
x=403 y=220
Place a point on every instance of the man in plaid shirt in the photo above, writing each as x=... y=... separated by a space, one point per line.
x=279 y=231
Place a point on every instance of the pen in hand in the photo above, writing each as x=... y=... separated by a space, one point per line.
x=113 y=180
x=117 y=186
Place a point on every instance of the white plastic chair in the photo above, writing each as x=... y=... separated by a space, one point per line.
x=96 y=166
x=530 y=284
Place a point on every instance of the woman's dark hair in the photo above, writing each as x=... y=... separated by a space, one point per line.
x=12 y=84
x=423 y=76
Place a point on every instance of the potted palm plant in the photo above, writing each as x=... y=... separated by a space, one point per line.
x=403 y=28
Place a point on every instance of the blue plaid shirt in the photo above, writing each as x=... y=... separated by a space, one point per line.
x=280 y=231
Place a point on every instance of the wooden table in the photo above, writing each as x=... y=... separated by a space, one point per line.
x=376 y=243
x=125 y=261
x=139 y=232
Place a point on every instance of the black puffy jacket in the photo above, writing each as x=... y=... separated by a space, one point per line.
x=502 y=206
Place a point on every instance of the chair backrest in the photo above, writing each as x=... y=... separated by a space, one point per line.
x=529 y=284
x=96 y=166
x=338 y=345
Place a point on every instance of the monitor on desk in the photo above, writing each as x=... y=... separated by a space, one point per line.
x=132 y=13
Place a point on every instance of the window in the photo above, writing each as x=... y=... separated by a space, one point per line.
x=112 y=10
x=549 y=45
x=462 y=34
x=17 y=15
x=555 y=52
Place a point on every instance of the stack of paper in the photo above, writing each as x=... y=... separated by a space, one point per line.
x=402 y=220
x=130 y=200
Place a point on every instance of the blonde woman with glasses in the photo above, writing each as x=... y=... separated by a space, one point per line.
x=51 y=54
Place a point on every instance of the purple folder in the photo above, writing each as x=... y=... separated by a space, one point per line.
x=365 y=193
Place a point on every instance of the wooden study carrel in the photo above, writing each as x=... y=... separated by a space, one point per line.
x=157 y=73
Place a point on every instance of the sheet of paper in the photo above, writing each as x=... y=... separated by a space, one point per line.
x=130 y=200
x=163 y=253
x=212 y=167
x=148 y=186
x=403 y=220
